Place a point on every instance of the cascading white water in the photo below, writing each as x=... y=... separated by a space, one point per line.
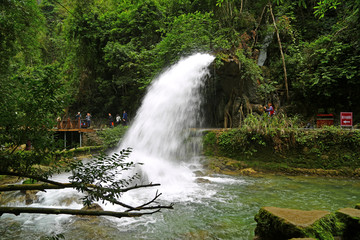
x=263 y=51
x=162 y=124
x=158 y=136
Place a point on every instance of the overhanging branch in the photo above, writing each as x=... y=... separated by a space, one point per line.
x=44 y=186
x=18 y=210
x=22 y=175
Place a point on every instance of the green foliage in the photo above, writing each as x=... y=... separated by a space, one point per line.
x=325 y=5
x=327 y=74
x=32 y=94
x=257 y=134
x=31 y=101
x=210 y=142
x=29 y=181
x=249 y=69
x=188 y=33
x=21 y=22
x=103 y=172
x=270 y=140
x=110 y=45
x=111 y=136
x=268 y=125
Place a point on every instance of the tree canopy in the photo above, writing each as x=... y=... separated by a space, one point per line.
x=107 y=52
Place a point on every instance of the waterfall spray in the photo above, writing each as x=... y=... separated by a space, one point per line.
x=162 y=124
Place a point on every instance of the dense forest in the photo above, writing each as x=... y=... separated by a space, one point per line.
x=58 y=57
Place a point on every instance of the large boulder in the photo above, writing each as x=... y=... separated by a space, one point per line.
x=349 y=218
x=280 y=223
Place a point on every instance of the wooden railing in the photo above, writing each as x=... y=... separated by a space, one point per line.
x=69 y=124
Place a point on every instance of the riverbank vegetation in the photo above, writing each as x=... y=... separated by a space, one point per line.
x=276 y=144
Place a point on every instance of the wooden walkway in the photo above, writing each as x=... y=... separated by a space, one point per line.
x=73 y=126
x=68 y=125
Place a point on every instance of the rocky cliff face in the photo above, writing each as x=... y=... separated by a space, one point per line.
x=230 y=96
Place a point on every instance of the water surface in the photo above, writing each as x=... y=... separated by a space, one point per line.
x=223 y=208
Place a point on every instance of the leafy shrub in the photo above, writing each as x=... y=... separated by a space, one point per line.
x=111 y=136
x=210 y=143
x=268 y=139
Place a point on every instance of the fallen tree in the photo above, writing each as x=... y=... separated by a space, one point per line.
x=98 y=180
x=18 y=210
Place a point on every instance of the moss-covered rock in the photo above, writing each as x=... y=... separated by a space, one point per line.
x=281 y=223
x=357 y=206
x=350 y=220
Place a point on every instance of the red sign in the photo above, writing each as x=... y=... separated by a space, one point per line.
x=346 y=119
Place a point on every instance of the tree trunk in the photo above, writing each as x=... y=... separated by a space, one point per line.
x=227 y=115
x=18 y=210
x=44 y=186
x=281 y=52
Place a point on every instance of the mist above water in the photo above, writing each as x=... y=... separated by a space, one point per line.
x=159 y=133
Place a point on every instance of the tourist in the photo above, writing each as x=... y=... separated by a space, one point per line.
x=118 y=119
x=111 y=120
x=270 y=110
x=88 y=120
x=78 y=119
x=124 y=118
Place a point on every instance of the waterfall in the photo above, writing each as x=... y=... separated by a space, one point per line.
x=162 y=124
x=263 y=51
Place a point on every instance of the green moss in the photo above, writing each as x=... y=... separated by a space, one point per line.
x=349 y=223
x=323 y=229
x=210 y=143
x=276 y=223
x=29 y=181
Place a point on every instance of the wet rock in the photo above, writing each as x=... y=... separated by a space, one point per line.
x=93 y=207
x=202 y=180
x=68 y=200
x=7 y=198
x=30 y=196
x=247 y=171
x=349 y=218
x=199 y=173
x=200 y=234
x=280 y=223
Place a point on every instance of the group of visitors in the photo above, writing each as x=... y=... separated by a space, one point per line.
x=87 y=121
x=118 y=120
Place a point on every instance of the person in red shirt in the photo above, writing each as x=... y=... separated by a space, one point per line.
x=270 y=110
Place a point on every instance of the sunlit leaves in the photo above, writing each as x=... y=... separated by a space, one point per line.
x=187 y=34
x=325 y=5
x=104 y=172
